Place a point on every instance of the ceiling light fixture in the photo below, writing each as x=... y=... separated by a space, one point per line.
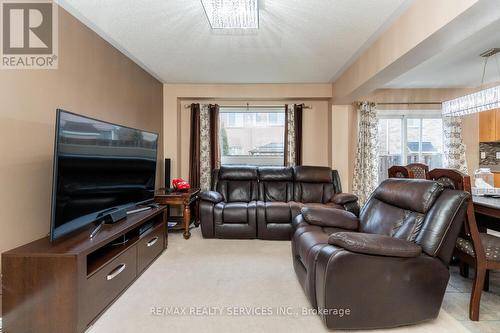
x=232 y=14
x=484 y=100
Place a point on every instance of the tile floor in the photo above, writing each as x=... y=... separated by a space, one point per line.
x=456 y=302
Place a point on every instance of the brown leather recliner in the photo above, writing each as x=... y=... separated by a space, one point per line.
x=387 y=268
x=251 y=202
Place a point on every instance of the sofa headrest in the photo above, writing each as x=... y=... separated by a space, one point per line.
x=313 y=174
x=417 y=195
x=276 y=174
x=238 y=173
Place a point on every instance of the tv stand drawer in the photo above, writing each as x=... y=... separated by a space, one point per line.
x=150 y=246
x=108 y=282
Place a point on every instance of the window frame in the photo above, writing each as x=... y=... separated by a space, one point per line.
x=404 y=115
x=278 y=109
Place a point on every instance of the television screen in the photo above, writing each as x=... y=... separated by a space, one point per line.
x=98 y=166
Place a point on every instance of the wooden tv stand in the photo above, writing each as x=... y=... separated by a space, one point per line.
x=65 y=286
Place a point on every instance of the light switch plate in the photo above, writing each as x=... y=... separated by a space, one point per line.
x=498 y=155
x=483 y=155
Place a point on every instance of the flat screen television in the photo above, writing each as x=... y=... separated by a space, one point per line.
x=98 y=167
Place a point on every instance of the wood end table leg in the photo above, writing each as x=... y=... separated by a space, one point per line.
x=187 y=220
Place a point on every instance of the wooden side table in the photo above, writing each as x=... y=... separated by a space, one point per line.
x=183 y=198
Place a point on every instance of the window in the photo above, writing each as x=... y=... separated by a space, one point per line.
x=409 y=138
x=252 y=136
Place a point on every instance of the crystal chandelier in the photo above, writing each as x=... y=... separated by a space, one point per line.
x=232 y=14
x=484 y=100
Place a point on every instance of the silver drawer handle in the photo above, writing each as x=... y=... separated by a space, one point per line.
x=114 y=273
x=153 y=241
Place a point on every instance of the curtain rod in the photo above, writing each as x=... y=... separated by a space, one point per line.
x=187 y=106
x=412 y=103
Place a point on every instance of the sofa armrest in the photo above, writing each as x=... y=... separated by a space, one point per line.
x=330 y=217
x=344 y=198
x=375 y=244
x=211 y=196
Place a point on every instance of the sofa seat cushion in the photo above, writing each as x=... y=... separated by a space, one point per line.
x=236 y=212
x=491 y=245
x=277 y=212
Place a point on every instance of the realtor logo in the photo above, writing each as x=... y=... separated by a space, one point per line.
x=28 y=35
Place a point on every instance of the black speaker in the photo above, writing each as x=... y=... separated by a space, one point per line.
x=167 y=173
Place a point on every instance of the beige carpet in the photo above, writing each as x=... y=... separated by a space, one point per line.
x=228 y=274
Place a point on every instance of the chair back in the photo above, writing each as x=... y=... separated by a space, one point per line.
x=451 y=178
x=420 y=170
x=454 y=179
x=399 y=171
x=416 y=210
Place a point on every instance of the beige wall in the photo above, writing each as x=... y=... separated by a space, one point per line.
x=470 y=133
x=423 y=95
x=93 y=79
x=344 y=142
x=316 y=122
x=415 y=36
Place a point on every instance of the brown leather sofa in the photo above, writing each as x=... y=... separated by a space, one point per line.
x=261 y=202
x=387 y=268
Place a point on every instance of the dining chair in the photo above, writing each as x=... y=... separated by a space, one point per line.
x=420 y=170
x=399 y=171
x=478 y=249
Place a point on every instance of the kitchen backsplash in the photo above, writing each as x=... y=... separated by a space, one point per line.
x=489 y=161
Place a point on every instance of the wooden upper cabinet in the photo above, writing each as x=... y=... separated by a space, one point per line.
x=489 y=129
x=497 y=122
x=497 y=179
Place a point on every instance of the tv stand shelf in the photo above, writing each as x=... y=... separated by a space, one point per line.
x=66 y=285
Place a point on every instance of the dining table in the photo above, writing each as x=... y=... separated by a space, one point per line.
x=487 y=210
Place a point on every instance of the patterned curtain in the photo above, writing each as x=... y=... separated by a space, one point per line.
x=366 y=165
x=205 y=139
x=204 y=151
x=454 y=147
x=293 y=134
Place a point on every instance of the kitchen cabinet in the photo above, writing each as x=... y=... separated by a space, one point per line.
x=497 y=179
x=497 y=122
x=489 y=126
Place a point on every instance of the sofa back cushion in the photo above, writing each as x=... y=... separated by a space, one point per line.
x=237 y=183
x=313 y=184
x=307 y=184
x=275 y=184
x=398 y=207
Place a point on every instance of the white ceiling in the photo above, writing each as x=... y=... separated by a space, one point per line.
x=299 y=41
x=457 y=67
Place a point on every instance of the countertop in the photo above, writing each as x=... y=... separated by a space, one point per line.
x=486 y=201
x=494 y=168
